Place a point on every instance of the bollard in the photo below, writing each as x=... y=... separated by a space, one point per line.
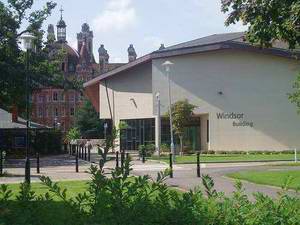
x=37 y=162
x=76 y=162
x=143 y=156
x=80 y=151
x=1 y=162
x=101 y=164
x=296 y=159
x=89 y=153
x=171 y=165
x=85 y=156
x=122 y=160
x=127 y=156
x=198 y=164
x=117 y=160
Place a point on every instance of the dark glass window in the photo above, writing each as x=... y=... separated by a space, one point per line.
x=138 y=132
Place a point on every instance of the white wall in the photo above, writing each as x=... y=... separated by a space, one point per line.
x=252 y=83
x=130 y=94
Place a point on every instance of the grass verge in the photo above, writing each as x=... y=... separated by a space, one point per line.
x=219 y=158
x=271 y=177
x=73 y=187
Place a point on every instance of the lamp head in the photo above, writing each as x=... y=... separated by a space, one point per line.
x=157 y=95
x=27 y=41
x=167 y=64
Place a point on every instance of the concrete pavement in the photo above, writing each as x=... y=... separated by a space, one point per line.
x=63 y=168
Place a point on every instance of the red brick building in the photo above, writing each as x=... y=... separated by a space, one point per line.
x=52 y=106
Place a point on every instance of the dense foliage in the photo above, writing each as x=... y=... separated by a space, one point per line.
x=121 y=199
x=72 y=134
x=12 y=60
x=267 y=20
x=87 y=121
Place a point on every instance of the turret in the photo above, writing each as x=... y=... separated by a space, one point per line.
x=86 y=35
x=131 y=53
x=103 y=59
x=61 y=29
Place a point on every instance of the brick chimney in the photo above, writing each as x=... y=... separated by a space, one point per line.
x=14 y=114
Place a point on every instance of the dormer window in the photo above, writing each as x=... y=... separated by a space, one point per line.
x=71 y=67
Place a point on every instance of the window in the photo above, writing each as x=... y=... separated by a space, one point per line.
x=72 y=111
x=49 y=98
x=207 y=131
x=62 y=97
x=40 y=112
x=55 y=112
x=41 y=98
x=71 y=67
x=55 y=96
x=62 y=111
x=63 y=66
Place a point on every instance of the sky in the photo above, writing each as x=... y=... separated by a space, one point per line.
x=144 y=23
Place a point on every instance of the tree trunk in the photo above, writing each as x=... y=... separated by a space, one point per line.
x=181 y=144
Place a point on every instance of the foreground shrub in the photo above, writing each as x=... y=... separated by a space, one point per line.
x=120 y=199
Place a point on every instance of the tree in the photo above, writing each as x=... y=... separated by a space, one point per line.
x=87 y=120
x=72 y=134
x=268 y=21
x=295 y=97
x=12 y=60
x=181 y=114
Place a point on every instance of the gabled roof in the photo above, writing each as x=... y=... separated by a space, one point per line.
x=210 y=43
x=212 y=39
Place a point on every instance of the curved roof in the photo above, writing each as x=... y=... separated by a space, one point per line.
x=71 y=52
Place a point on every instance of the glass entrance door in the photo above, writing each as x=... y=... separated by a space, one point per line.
x=138 y=132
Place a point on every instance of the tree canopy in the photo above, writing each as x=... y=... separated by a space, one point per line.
x=12 y=60
x=267 y=20
x=87 y=120
x=181 y=113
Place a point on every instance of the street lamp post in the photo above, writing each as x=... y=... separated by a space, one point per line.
x=28 y=45
x=158 y=123
x=105 y=125
x=167 y=65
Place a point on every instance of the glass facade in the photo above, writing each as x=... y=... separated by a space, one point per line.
x=138 y=132
x=142 y=132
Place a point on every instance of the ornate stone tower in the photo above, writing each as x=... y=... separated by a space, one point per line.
x=61 y=29
x=103 y=59
x=86 y=35
x=50 y=34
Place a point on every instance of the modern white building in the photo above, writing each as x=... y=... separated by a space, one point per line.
x=241 y=94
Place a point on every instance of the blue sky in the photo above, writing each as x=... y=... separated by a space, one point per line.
x=144 y=23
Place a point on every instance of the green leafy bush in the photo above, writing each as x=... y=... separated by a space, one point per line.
x=148 y=150
x=119 y=198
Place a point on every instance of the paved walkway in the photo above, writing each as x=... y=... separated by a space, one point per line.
x=63 y=168
x=185 y=177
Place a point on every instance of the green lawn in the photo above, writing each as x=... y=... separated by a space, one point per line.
x=271 y=177
x=288 y=164
x=73 y=188
x=227 y=158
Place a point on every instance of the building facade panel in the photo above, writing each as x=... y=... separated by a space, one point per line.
x=243 y=95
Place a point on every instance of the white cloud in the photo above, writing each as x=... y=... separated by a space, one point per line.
x=118 y=15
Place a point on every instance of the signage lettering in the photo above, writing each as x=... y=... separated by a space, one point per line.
x=237 y=117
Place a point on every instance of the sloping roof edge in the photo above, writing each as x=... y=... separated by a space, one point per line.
x=230 y=44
